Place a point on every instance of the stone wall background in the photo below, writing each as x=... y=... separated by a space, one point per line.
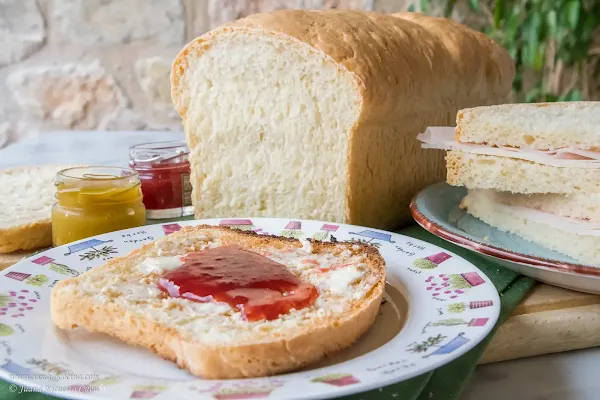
x=105 y=64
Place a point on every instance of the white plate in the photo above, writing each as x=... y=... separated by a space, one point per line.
x=419 y=327
x=436 y=209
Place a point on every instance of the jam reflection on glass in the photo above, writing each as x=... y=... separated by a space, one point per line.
x=259 y=287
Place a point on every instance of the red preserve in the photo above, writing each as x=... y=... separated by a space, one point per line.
x=259 y=287
x=164 y=172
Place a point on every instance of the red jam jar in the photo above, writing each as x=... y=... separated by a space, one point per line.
x=164 y=172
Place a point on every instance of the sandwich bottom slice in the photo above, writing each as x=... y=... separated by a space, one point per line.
x=478 y=171
x=567 y=224
x=137 y=299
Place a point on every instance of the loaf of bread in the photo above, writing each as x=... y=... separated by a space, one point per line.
x=212 y=339
x=313 y=114
x=26 y=199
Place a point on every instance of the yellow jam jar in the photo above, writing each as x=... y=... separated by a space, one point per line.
x=95 y=200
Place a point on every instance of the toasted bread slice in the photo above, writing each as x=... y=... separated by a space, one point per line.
x=212 y=339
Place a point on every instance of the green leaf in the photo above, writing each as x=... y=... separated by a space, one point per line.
x=425 y=5
x=533 y=30
x=474 y=5
x=411 y=7
x=572 y=95
x=551 y=23
x=540 y=56
x=572 y=13
x=498 y=13
x=532 y=95
x=449 y=8
x=512 y=23
x=518 y=81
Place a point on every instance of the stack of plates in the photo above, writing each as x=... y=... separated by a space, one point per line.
x=437 y=210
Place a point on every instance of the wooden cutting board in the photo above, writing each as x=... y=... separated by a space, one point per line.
x=550 y=320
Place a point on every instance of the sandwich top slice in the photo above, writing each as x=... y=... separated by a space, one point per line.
x=224 y=303
x=523 y=148
x=568 y=224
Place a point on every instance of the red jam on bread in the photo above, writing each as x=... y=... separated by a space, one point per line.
x=262 y=289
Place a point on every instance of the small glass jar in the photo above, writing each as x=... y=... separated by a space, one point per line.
x=95 y=200
x=164 y=171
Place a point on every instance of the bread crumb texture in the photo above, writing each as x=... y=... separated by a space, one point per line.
x=26 y=199
x=585 y=249
x=475 y=171
x=313 y=114
x=518 y=125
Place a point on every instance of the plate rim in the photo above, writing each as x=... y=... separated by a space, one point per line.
x=490 y=250
x=381 y=382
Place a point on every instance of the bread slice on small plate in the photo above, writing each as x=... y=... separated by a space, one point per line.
x=213 y=339
x=26 y=199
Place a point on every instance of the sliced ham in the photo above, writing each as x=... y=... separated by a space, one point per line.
x=443 y=138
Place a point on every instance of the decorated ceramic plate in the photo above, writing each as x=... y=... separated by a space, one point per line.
x=436 y=209
x=437 y=306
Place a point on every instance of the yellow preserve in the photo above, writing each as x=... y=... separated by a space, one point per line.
x=95 y=200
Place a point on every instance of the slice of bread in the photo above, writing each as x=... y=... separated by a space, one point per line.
x=212 y=339
x=26 y=199
x=540 y=126
x=585 y=206
x=475 y=171
x=585 y=249
x=316 y=114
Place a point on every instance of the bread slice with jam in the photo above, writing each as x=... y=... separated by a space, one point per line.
x=158 y=297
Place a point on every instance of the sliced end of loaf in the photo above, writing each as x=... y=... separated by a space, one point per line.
x=512 y=175
x=265 y=128
x=211 y=340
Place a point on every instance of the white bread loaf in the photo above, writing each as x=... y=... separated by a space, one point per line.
x=26 y=199
x=544 y=126
x=212 y=339
x=313 y=114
